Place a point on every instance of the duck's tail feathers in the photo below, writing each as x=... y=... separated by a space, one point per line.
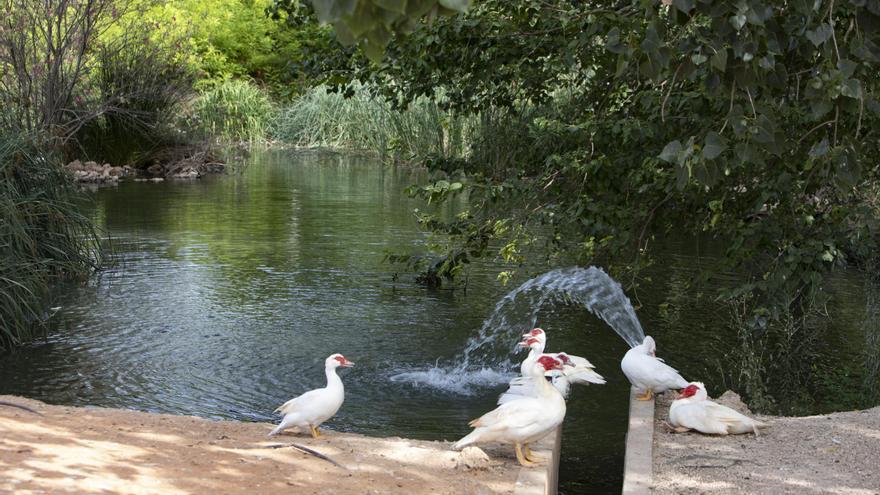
x=586 y=375
x=757 y=426
x=469 y=439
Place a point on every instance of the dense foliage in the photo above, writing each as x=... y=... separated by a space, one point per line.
x=44 y=239
x=750 y=121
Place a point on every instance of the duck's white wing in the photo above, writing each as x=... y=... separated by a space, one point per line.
x=667 y=375
x=580 y=362
x=582 y=375
x=297 y=402
x=520 y=387
x=513 y=414
x=733 y=421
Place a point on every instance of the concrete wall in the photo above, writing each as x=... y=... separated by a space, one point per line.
x=638 y=467
x=638 y=464
x=542 y=479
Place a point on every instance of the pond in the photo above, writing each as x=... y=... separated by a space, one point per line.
x=229 y=293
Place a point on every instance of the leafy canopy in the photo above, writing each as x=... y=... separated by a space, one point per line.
x=750 y=120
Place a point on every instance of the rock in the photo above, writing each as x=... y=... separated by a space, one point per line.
x=186 y=173
x=732 y=400
x=156 y=169
x=74 y=166
x=472 y=459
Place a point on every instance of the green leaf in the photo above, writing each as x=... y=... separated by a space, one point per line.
x=612 y=42
x=682 y=176
x=849 y=171
x=714 y=146
x=651 y=42
x=738 y=21
x=698 y=58
x=685 y=6
x=719 y=60
x=671 y=151
x=846 y=67
x=457 y=5
x=819 y=149
x=819 y=35
x=820 y=108
x=851 y=88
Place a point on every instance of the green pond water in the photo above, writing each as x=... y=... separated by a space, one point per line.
x=229 y=292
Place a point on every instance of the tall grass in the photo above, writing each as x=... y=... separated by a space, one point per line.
x=43 y=237
x=235 y=111
x=366 y=122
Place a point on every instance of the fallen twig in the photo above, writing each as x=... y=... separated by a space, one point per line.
x=19 y=406
x=303 y=449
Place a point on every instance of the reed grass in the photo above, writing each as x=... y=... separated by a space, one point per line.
x=44 y=239
x=365 y=121
x=235 y=111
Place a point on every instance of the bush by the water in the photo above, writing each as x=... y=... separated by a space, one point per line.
x=44 y=239
x=235 y=111
x=361 y=120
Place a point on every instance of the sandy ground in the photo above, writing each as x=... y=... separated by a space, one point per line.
x=94 y=450
x=835 y=454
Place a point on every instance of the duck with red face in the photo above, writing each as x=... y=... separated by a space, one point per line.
x=576 y=370
x=524 y=421
x=694 y=411
x=314 y=407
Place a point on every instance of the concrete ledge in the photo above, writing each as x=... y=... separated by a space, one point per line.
x=638 y=466
x=543 y=479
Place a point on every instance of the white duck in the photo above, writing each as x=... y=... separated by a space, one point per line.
x=576 y=369
x=694 y=411
x=648 y=372
x=522 y=421
x=315 y=406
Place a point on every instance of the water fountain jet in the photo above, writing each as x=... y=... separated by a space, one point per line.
x=590 y=288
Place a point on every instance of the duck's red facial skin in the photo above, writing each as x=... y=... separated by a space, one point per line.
x=549 y=363
x=343 y=362
x=563 y=357
x=536 y=332
x=689 y=391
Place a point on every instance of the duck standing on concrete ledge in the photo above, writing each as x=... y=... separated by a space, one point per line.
x=522 y=421
x=649 y=373
x=694 y=411
x=315 y=406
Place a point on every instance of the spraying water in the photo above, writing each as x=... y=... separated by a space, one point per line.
x=517 y=312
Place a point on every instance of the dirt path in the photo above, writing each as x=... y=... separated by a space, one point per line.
x=94 y=450
x=830 y=454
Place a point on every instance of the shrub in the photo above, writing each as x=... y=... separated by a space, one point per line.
x=235 y=111
x=43 y=237
x=361 y=120
x=142 y=88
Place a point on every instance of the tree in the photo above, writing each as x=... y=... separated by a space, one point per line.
x=751 y=121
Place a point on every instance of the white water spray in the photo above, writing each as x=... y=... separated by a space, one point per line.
x=516 y=313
